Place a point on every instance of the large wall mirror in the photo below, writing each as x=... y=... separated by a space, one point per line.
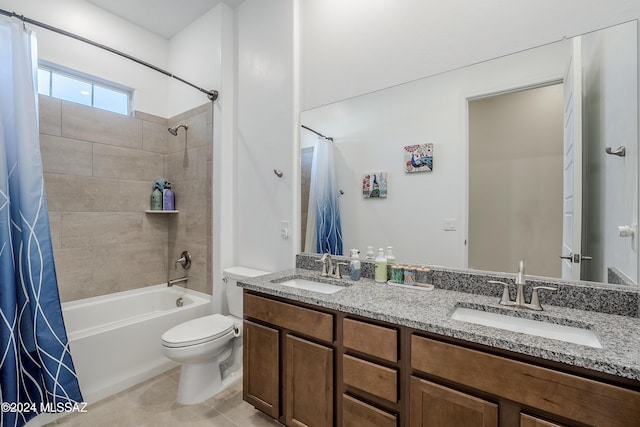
x=505 y=185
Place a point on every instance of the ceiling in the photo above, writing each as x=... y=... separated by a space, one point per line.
x=163 y=17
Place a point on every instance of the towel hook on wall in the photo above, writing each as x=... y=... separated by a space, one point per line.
x=278 y=173
x=620 y=151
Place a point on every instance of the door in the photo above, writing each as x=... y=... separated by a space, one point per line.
x=309 y=383
x=261 y=368
x=433 y=405
x=572 y=167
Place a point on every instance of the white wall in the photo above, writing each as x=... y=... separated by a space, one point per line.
x=87 y=20
x=354 y=47
x=195 y=54
x=370 y=131
x=264 y=139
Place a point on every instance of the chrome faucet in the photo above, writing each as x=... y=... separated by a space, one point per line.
x=327 y=265
x=184 y=260
x=176 y=281
x=329 y=269
x=520 y=282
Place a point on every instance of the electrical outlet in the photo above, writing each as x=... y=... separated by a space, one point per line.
x=284 y=230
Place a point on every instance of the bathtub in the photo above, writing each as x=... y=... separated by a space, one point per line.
x=115 y=339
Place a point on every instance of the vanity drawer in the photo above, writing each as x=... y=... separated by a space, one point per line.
x=299 y=319
x=357 y=413
x=366 y=376
x=372 y=339
x=580 y=399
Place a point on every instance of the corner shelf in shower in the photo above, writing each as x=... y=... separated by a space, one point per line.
x=149 y=211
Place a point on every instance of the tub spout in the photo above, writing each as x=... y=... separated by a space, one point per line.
x=176 y=281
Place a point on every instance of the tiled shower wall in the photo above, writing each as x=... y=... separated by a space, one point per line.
x=99 y=170
x=188 y=166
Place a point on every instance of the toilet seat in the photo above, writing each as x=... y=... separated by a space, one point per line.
x=198 y=331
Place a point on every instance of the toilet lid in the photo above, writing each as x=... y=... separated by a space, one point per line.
x=198 y=331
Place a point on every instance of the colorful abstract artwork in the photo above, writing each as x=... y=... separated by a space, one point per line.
x=418 y=158
x=374 y=185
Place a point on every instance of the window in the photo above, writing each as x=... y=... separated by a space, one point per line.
x=82 y=89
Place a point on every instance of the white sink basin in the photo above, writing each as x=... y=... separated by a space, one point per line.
x=527 y=326
x=310 y=285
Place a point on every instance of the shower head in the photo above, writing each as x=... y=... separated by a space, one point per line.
x=174 y=130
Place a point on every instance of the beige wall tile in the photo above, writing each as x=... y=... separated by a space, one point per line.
x=198 y=131
x=74 y=269
x=125 y=261
x=186 y=165
x=95 y=125
x=49 y=111
x=99 y=183
x=89 y=229
x=55 y=220
x=191 y=199
x=67 y=193
x=207 y=106
x=210 y=144
x=155 y=136
x=65 y=156
x=150 y=118
x=125 y=163
x=155 y=228
x=135 y=196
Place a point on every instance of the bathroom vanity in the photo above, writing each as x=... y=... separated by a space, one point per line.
x=378 y=355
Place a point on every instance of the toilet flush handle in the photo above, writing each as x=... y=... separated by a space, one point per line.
x=236 y=331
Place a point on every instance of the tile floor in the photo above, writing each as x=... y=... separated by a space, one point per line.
x=153 y=404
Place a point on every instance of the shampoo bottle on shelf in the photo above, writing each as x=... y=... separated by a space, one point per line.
x=156 y=200
x=168 y=198
x=381 y=267
x=354 y=265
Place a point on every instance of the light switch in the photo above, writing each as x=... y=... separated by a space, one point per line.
x=449 y=225
x=284 y=230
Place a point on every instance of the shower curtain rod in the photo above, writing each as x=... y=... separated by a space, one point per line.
x=317 y=133
x=211 y=94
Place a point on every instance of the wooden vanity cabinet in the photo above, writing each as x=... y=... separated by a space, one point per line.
x=517 y=386
x=370 y=374
x=289 y=361
x=317 y=367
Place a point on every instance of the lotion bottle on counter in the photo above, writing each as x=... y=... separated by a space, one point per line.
x=354 y=265
x=381 y=267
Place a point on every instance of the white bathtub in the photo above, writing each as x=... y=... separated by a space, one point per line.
x=115 y=338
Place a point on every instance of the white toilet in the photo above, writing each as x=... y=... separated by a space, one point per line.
x=210 y=347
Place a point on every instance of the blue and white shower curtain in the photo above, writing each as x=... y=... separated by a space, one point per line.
x=36 y=370
x=324 y=233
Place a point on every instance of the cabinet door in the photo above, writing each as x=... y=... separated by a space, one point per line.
x=531 y=421
x=434 y=405
x=309 y=383
x=261 y=385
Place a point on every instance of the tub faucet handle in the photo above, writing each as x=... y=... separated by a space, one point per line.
x=185 y=260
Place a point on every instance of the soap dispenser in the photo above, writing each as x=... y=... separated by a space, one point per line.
x=381 y=267
x=391 y=258
x=354 y=265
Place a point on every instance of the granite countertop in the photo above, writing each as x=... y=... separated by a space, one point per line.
x=429 y=311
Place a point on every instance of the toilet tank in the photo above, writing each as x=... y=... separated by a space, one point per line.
x=234 y=292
